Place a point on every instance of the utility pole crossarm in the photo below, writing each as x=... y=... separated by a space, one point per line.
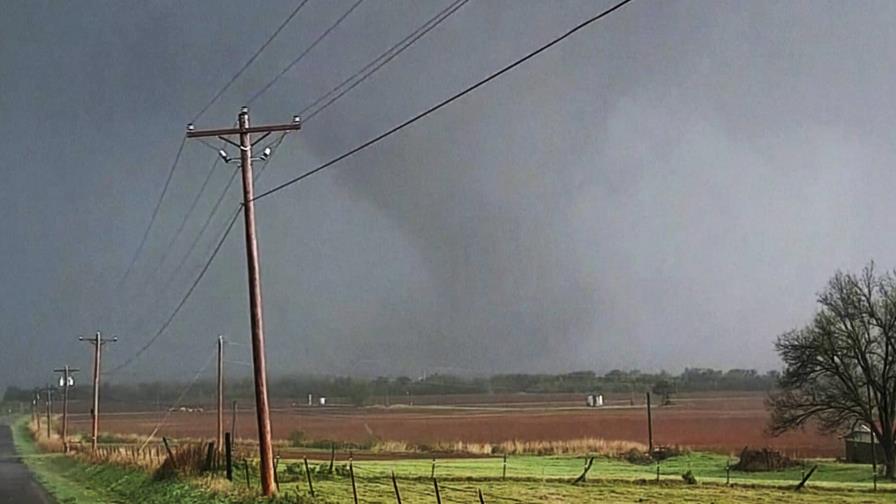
x=66 y=376
x=293 y=126
x=98 y=342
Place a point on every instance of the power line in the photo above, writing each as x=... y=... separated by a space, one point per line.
x=177 y=401
x=171 y=276
x=183 y=300
x=444 y=102
x=202 y=230
x=304 y=53
x=187 y=216
x=383 y=59
x=273 y=146
x=250 y=61
x=204 y=268
x=155 y=213
x=173 y=240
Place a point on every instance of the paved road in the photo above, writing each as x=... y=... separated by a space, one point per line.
x=17 y=486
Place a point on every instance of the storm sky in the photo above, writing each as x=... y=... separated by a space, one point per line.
x=669 y=187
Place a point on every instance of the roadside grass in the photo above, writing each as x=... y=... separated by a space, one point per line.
x=380 y=491
x=530 y=478
x=547 y=480
x=71 y=481
x=707 y=467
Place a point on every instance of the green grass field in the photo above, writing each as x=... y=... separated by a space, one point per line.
x=547 y=480
x=530 y=479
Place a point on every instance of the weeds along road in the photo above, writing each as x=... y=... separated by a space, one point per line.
x=17 y=486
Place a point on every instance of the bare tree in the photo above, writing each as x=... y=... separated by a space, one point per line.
x=841 y=368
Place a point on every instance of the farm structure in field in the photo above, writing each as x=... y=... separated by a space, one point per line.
x=861 y=447
x=594 y=400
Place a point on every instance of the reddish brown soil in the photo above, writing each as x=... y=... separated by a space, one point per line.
x=724 y=423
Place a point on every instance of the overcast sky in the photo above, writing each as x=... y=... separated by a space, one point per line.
x=669 y=187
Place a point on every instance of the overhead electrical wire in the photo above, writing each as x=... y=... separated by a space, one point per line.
x=196 y=117
x=204 y=269
x=186 y=218
x=202 y=230
x=381 y=60
x=183 y=300
x=445 y=102
x=372 y=66
x=155 y=213
x=160 y=295
x=249 y=62
x=274 y=145
x=357 y=149
x=177 y=402
x=304 y=53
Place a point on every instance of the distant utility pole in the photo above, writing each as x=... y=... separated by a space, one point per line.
x=49 y=409
x=36 y=407
x=67 y=380
x=219 y=445
x=649 y=426
x=97 y=342
x=244 y=131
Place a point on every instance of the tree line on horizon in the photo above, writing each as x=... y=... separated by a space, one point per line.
x=361 y=391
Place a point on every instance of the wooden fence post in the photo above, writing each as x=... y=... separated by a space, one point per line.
x=228 y=456
x=351 y=472
x=308 y=474
x=395 y=486
x=504 y=468
x=802 y=482
x=581 y=477
x=248 y=481
x=332 y=456
x=210 y=456
x=170 y=454
x=276 y=476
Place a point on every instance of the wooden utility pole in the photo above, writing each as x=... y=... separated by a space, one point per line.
x=67 y=381
x=37 y=408
x=97 y=342
x=220 y=439
x=244 y=131
x=49 y=409
x=233 y=420
x=649 y=426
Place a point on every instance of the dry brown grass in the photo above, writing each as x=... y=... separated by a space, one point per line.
x=583 y=446
x=53 y=443
x=148 y=459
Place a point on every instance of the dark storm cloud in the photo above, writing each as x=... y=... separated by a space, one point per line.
x=667 y=188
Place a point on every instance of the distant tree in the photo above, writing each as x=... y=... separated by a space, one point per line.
x=841 y=368
x=17 y=394
x=664 y=389
x=358 y=392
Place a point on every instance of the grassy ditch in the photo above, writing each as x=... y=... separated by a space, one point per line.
x=73 y=481
x=524 y=478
